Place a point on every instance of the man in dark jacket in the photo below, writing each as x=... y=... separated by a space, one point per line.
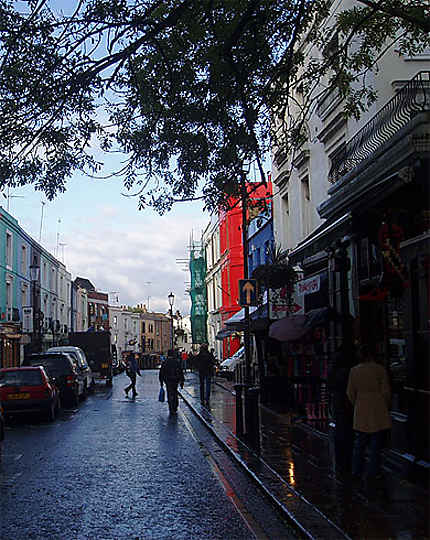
x=132 y=371
x=172 y=374
x=205 y=363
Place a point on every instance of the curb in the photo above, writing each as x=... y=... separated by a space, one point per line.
x=321 y=526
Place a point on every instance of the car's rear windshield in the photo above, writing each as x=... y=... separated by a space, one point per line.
x=55 y=365
x=22 y=377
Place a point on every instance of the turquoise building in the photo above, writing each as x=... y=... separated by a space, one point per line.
x=35 y=310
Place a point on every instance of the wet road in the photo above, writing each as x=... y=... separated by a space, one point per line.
x=119 y=468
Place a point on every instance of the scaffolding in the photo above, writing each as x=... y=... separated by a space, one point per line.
x=198 y=293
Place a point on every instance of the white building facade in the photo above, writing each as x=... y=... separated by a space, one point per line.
x=301 y=178
x=125 y=330
x=211 y=244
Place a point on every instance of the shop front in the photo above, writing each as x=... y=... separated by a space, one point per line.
x=10 y=344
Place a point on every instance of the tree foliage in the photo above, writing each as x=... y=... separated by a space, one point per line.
x=181 y=91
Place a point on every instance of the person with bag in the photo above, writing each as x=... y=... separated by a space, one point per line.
x=369 y=392
x=205 y=363
x=132 y=370
x=172 y=375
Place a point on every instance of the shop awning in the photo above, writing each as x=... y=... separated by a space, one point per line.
x=295 y=327
x=258 y=319
x=239 y=317
x=225 y=333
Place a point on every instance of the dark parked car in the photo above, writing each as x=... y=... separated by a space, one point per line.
x=28 y=389
x=69 y=379
x=81 y=361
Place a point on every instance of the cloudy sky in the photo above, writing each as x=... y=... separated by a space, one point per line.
x=99 y=234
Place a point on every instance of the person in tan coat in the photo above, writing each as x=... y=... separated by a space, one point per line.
x=369 y=392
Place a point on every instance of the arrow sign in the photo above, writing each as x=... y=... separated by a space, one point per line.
x=247 y=292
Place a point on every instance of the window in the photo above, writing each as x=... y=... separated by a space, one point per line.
x=9 y=251
x=24 y=295
x=52 y=284
x=115 y=320
x=305 y=188
x=23 y=260
x=143 y=327
x=286 y=204
x=9 y=295
x=306 y=206
x=45 y=276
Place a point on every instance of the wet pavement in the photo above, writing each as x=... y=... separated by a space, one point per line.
x=125 y=469
x=295 y=469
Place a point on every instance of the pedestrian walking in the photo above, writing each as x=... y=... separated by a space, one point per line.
x=184 y=358
x=132 y=370
x=342 y=408
x=369 y=392
x=172 y=375
x=205 y=363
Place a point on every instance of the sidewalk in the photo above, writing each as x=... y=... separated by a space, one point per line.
x=294 y=469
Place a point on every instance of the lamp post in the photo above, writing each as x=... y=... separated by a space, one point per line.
x=171 y=298
x=34 y=276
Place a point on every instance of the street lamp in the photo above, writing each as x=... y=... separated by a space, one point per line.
x=171 y=298
x=34 y=276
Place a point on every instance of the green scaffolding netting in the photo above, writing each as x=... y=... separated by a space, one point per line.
x=198 y=296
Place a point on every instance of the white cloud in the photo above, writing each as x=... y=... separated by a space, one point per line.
x=125 y=259
x=104 y=238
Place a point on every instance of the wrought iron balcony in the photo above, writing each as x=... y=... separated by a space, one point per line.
x=412 y=99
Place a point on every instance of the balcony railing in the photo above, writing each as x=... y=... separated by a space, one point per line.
x=412 y=99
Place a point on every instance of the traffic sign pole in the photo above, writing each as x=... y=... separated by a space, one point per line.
x=251 y=424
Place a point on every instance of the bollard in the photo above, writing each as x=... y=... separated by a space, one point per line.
x=239 y=409
x=252 y=416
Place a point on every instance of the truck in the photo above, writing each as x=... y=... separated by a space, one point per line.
x=97 y=349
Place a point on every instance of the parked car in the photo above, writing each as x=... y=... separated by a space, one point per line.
x=81 y=362
x=227 y=366
x=62 y=367
x=28 y=389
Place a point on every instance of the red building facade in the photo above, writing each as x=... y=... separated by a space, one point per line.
x=231 y=250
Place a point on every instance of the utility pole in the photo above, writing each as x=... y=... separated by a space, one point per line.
x=247 y=336
x=247 y=410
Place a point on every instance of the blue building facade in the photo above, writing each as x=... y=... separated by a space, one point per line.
x=260 y=239
x=34 y=310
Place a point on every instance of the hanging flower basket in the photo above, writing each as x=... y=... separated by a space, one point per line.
x=275 y=276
